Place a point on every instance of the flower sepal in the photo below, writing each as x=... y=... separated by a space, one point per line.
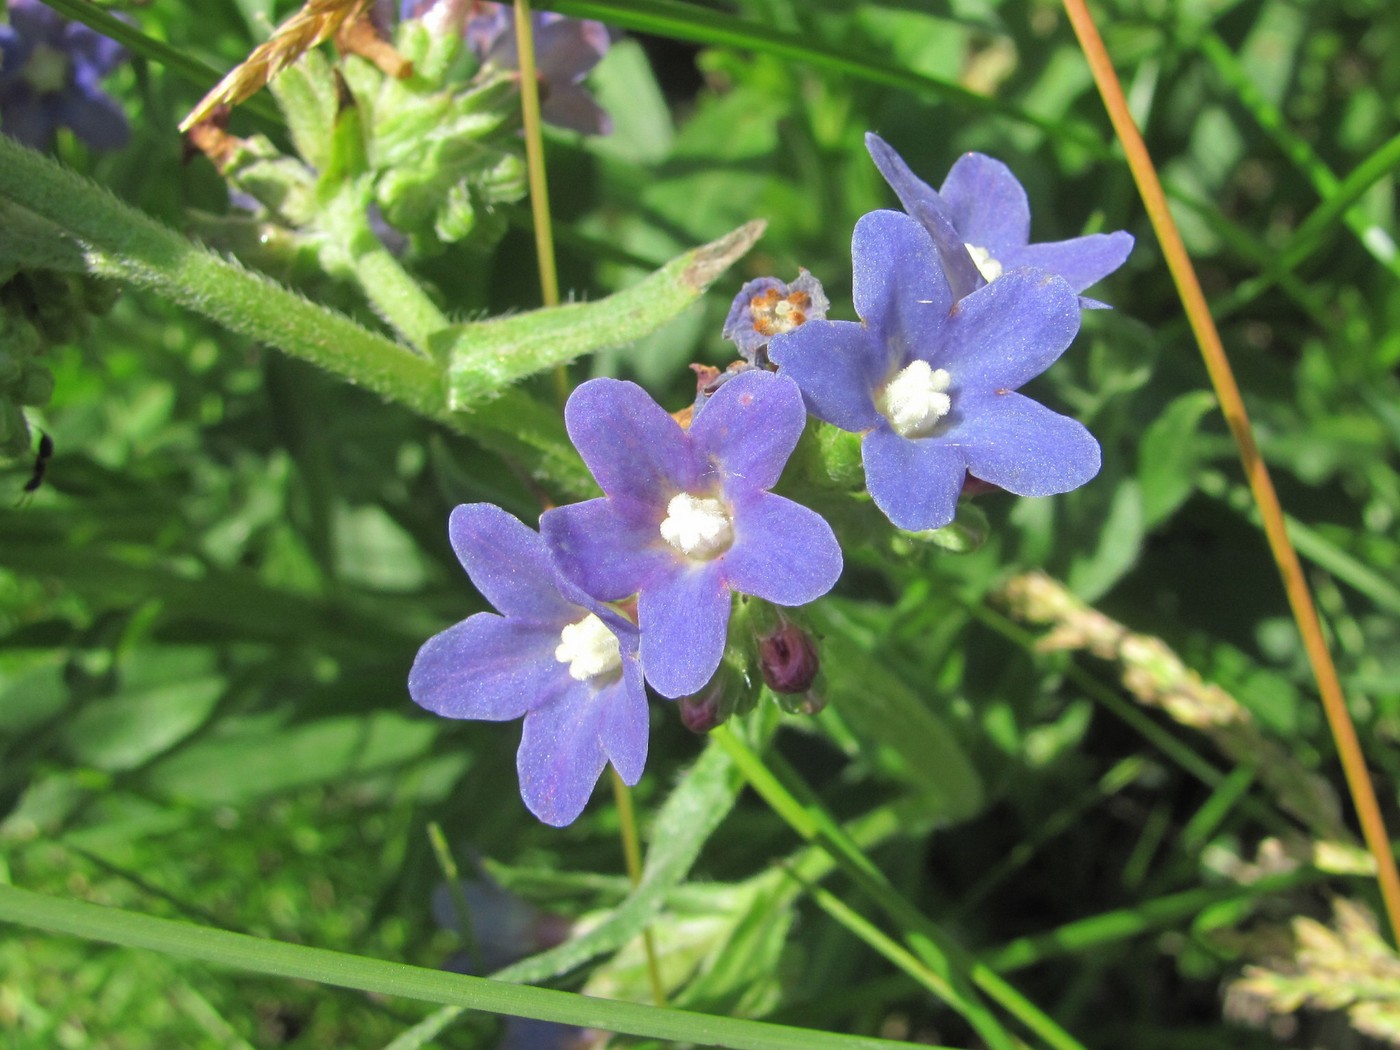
x=964 y=535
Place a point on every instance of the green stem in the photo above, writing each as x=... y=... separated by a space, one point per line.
x=115 y=240
x=393 y=293
x=951 y=963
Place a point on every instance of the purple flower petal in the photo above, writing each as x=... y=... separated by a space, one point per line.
x=987 y=204
x=915 y=483
x=561 y=755
x=633 y=447
x=1008 y=332
x=488 y=668
x=604 y=551
x=683 y=618
x=36 y=20
x=924 y=203
x=14 y=53
x=911 y=190
x=28 y=117
x=959 y=268
x=898 y=285
x=748 y=429
x=783 y=552
x=1025 y=448
x=624 y=727
x=94 y=55
x=508 y=563
x=570 y=106
x=836 y=364
x=94 y=116
x=1082 y=261
x=567 y=48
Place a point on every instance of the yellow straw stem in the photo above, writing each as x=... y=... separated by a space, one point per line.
x=1363 y=792
x=534 y=153
x=534 y=163
x=632 y=850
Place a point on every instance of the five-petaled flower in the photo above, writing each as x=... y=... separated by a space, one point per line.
x=562 y=660
x=687 y=518
x=766 y=307
x=980 y=220
x=929 y=379
x=50 y=74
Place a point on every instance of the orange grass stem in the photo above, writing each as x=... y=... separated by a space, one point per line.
x=1363 y=792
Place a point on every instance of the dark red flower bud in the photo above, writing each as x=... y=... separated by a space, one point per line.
x=788 y=659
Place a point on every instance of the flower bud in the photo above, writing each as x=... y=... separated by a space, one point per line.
x=731 y=691
x=787 y=659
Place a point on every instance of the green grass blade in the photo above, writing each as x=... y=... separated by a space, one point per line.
x=1123 y=923
x=279 y=959
x=702 y=25
x=1296 y=149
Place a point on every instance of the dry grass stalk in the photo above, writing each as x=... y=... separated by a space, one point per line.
x=317 y=21
x=1156 y=677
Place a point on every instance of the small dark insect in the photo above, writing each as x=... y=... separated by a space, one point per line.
x=41 y=463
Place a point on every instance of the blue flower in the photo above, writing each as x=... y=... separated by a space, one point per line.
x=565 y=50
x=50 y=71
x=563 y=661
x=766 y=307
x=981 y=221
x=506 y=928
x=929 y=379
x=687 y=519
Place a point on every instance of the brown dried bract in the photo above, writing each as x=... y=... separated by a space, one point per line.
x=210 y=137
x=358 y=36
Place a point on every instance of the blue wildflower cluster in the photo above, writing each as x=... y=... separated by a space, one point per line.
x=50 y=78
x=958 y=310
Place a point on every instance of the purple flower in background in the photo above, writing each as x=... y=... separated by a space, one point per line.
x=503 y=927
x=50 y=71
x=929 y=379
x=565 y=50
x=555 y=656
x=981 y=221
x=506 y=928
x=766 y=307
x=687 y=518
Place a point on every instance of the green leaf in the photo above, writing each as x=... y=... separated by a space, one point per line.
x=909 y=741
x=276 y=958
x=690 y=815
x=487 y=356
x=1120 y=543
x=1168 y=457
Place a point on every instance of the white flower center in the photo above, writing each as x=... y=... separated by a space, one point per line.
x=990 y=268
x=916 y=399
x=697 y=527
x=589 y=648
x=46 y=70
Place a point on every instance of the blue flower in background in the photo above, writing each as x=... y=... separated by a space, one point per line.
x=506 y=928
x=687 y=519
x=981 y=221
x=565 y=50
x=50 y=72
x=929 y=379
x=554 y=656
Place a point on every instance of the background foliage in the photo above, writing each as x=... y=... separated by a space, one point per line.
x=209 y=609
